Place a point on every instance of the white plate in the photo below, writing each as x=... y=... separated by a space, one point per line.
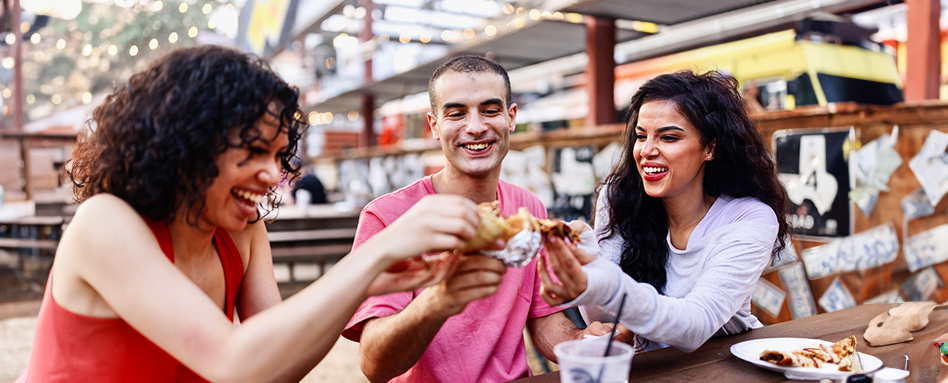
x=750 y=351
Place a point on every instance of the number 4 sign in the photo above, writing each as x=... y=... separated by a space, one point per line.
x=812 y=166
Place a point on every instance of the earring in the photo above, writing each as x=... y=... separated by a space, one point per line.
x=709 y=156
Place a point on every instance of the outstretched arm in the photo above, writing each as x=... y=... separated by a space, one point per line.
x=137 y=282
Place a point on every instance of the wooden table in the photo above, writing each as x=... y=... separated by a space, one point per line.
x=713 y=361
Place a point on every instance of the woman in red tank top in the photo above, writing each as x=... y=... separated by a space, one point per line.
x=167 y=245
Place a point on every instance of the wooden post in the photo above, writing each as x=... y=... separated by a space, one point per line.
x=368 y=138
x=25 y=158
x=923 y=50
x=17 y=96
x=600 y=73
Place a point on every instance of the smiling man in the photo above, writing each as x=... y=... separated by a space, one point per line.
x=469 y=327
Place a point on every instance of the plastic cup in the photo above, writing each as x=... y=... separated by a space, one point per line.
x=582 y=361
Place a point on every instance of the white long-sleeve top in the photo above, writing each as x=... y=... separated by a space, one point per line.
x=709 y=285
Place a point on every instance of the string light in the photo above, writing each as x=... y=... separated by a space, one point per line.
x=10 y=39
x=56 y=99
x=30 y=99
x=153 y=44
x=353 y=115
x=133 y=51
x=425 y=37
x=468 y=33
x=87 y=50
x=206 y=8
x=157 y=6
x=113 y=50
x=490 y=30
x=35 y=39
x=173 y=37
x=60 y=44
x=7 y=92
x=404 y=38
x=7 y=63
x=193 y=32
x=86 y=98
x=183 y=7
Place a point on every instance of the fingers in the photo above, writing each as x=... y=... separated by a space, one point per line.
x=598 y=329
x=551 y=292
x=578 y=226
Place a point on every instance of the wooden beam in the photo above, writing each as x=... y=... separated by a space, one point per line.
x=368 y=138
x=923 y=72
x=600 y=48
x=17 y=96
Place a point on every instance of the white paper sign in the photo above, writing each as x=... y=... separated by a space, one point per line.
x=889 y=297
x=837 y=297
x=922 y=285
x=870 y=168
x=798 y=290
x=871 y=248
x=930 y=166
x=768 y=297
x=916 y=204
x=927 y=248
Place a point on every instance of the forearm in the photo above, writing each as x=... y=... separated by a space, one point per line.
x=551 y=330
x=296 y=371
x=391 y=345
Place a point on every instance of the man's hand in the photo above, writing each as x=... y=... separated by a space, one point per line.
x=597 y=328
x=475 y=277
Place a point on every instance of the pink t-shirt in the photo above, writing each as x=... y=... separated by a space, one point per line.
x=484 y=343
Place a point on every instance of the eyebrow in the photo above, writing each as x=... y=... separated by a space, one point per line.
x=662 y=129
x=491 y=101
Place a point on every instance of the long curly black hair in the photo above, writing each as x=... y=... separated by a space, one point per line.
x=153 y=141
x=742 y=166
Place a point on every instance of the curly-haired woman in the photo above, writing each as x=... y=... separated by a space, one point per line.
x=686 y=222
x=167 y=246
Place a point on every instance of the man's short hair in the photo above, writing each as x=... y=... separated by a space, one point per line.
x=469 y=64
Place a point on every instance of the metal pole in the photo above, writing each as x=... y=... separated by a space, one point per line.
x=17 y=97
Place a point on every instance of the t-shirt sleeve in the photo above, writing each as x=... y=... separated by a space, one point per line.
x=538 y=307
x=378 y=306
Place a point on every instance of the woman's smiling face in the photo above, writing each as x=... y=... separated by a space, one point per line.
x=668 y=151
x=245 y=175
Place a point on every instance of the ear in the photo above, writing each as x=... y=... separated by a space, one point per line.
x=433 y=125
x=710 y=152
x=512 y=112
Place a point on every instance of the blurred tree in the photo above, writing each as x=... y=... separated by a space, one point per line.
x=68 y=61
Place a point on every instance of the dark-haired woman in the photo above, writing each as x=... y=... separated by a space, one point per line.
x=686 y=222
x=167 y=247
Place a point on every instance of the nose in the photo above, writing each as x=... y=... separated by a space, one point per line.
x=648 y=149
x=270 y=172
x=476 y=125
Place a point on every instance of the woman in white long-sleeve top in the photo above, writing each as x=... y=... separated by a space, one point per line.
x=686 y=222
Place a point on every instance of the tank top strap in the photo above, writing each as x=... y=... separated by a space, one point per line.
x=160 y=229
x=233 y=268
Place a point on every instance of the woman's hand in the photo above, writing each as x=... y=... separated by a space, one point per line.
x=415 y=273
x=434 y=224
x=566 y=261
x=437 y=223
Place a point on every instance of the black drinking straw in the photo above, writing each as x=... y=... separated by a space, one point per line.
x=611 y=335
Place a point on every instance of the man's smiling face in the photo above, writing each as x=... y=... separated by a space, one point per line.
x=472 y=121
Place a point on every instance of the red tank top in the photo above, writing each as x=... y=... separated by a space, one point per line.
x=69 y=347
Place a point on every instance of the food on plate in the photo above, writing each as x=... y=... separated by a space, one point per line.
x=493 y=227
x=838 y=355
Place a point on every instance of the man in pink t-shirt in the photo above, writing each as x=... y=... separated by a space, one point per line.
x=469 y=328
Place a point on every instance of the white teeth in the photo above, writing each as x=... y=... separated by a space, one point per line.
x=476 y=146
x=653 y=170
x=249 y=196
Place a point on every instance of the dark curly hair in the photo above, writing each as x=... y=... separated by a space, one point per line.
x=153 y=141
x=742 y=167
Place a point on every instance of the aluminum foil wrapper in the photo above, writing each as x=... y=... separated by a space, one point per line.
x=520 y=250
